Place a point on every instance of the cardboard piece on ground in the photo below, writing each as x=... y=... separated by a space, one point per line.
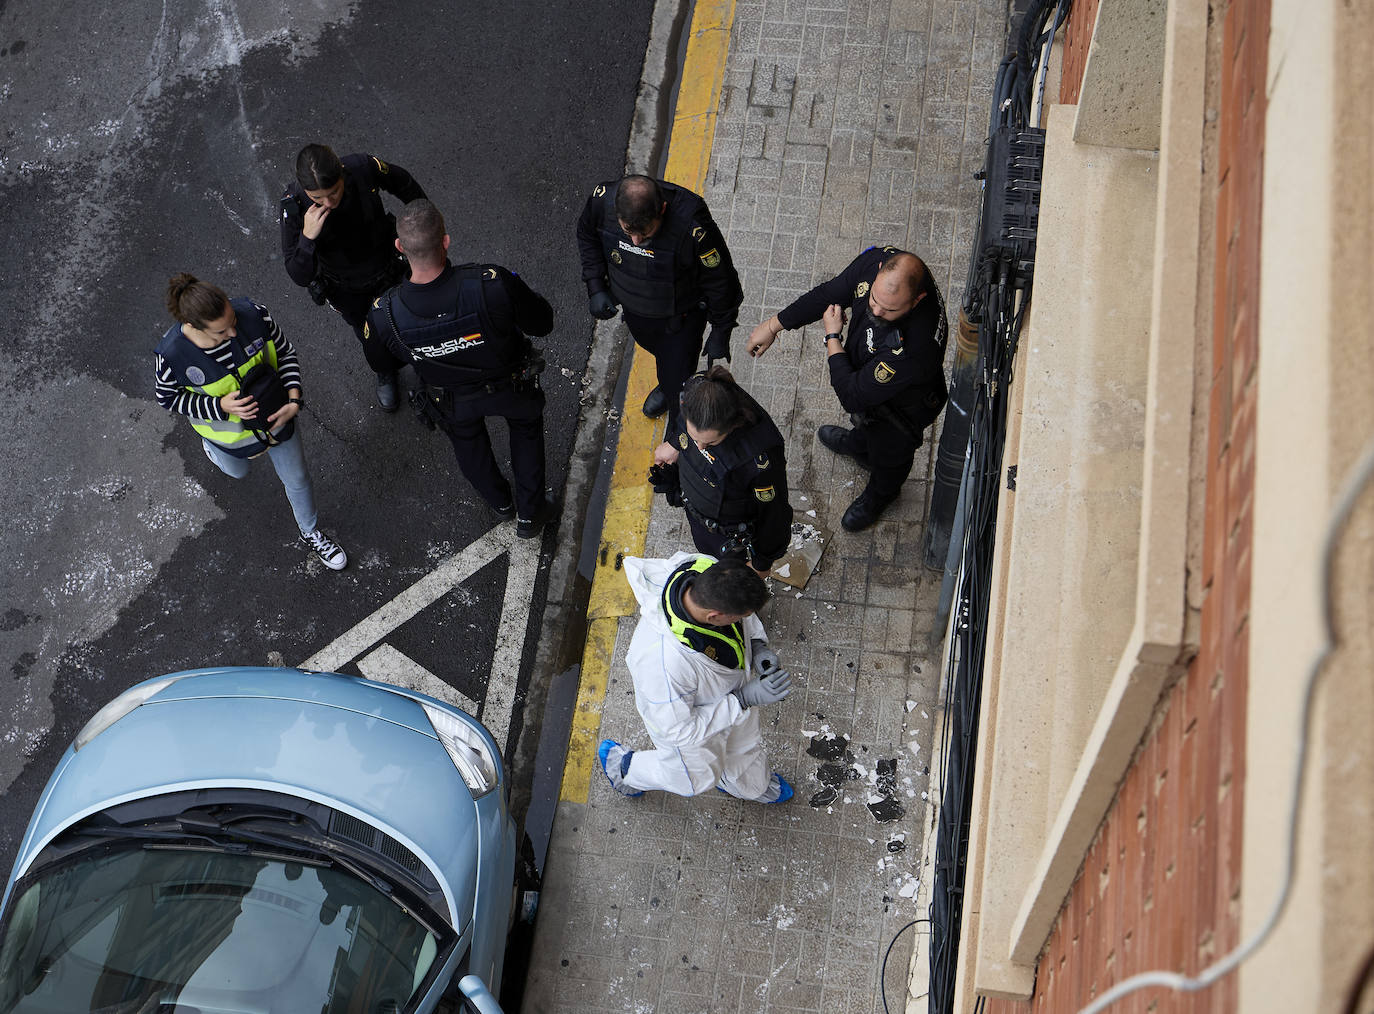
x=809 y=539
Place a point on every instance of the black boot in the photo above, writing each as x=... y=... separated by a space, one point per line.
x=864 y=512
x=656 y=404
x=838 y=439
x=387 y=396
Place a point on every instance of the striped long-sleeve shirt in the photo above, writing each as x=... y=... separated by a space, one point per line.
x=184 y=401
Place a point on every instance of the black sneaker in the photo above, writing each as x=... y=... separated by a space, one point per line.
x=656 y=404
x=505 y=512
x=387 y=395
x=331 y=554
x=528 y=528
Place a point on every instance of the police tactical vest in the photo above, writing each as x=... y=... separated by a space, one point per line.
x=196 y=370
x=459 y=350
x=646 y=280
x=704 y=475
x=724 y=645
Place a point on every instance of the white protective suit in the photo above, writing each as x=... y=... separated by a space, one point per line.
x=705 y=737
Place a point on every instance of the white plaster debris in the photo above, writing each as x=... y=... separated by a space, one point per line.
x=811 y=513
x=914 y=747
x=923 y=713
x=910 y=706
x=909 y=886
x=874 y=799
x=784 y=571
x=782 y=917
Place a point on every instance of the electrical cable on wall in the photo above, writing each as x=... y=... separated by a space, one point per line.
x=1355 y=485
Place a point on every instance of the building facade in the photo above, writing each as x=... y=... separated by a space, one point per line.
x=1193 y=389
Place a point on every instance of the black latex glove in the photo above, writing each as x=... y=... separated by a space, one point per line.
x=601 y=305
x=718 y=344
x=664 y=478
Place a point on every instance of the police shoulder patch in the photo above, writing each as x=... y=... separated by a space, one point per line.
x=382 y=167
x=600 y=190
x=765 y=493
x=761 y=461
x=489 y=274
x=861 y=290
x=682 y=440
x=890 y=250
x=698 y=233
x=377 y=303
x=710 y=652
x=615 y=256
x=883 y=373
x=711 y=258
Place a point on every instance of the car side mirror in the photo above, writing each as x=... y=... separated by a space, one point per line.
x=478 y=996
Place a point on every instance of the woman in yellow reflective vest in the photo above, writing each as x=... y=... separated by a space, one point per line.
x=202 y=362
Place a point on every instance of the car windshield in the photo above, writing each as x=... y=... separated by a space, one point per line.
x=185 y=929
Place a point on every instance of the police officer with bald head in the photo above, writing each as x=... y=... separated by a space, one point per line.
x=465 y=329
x=652 y=248
x=888 y=371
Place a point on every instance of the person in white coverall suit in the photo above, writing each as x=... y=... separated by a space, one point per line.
x=692 y=655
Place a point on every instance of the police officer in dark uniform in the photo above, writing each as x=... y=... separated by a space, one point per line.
x=464 y=328
x=724 y=463
x=652 y=248
x=338 y=239
x=889 y=372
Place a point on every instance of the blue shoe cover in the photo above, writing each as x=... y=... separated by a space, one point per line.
x=615 y=771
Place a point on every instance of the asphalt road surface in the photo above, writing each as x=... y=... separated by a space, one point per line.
x=139 y=141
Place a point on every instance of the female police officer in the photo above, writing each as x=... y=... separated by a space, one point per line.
x=731 y=473
x=202 y=363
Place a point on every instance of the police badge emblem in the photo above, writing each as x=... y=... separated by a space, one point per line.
x=883 y=373
x=861 y=290
x=711 y=258
x=682 y=441
x=195 y=375
x=765 y=494
x=615 y=256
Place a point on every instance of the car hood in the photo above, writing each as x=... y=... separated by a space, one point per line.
x=376 y=765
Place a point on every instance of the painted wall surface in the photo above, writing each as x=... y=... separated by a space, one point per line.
x=1160 y=887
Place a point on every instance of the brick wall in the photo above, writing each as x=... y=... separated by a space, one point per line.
x=1160 y=885
x=1078 y=35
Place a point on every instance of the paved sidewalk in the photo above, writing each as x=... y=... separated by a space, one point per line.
x=842 y=124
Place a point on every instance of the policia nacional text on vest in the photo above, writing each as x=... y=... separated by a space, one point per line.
x=648 y=282
x=197 y=371
x=724 y=645
x=462 y=353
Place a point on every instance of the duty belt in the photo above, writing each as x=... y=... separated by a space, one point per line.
x=712 y=525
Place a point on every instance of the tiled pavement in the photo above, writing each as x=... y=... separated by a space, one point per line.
x=843 y=123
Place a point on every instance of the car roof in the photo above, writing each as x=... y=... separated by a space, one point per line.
x=375 y=768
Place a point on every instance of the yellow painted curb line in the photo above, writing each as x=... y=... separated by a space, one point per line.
x=630 y=498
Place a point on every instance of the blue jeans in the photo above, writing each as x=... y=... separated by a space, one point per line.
x=289 y=460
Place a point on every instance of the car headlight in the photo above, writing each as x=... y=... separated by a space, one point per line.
x=118 y=708
x=471 y=753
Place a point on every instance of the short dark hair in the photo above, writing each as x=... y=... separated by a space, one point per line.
x=730 y=586
x=638 y=203
x=317 y=167
x=420 y=228
x=191 y=301
x=714 y=401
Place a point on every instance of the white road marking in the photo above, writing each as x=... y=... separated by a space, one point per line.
x=424 y=592
x=387 y=665
x=510 y=637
